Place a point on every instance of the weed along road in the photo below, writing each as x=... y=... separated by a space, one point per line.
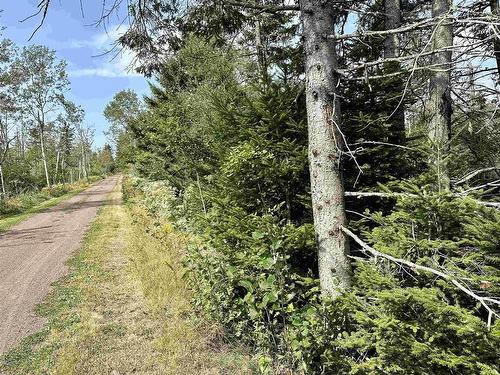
x=33 y=255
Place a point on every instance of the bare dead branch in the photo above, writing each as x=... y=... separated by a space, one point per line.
x=377 y=194
x=493 y=184
x=364 y=194
x=473 y=174
x=262 y=7
x=485 y=20
x=376 y=143
x=411 y=27
x=43 y=7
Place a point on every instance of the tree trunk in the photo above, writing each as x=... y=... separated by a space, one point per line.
x=63 y=169
x=397 y=131
x=325 y=143
x=261 y=53
x=84 y=162
x=2 y=181
x=57 y=166
x=44 y=158
x=440 y=95
x=392 y=10
x=496 y=41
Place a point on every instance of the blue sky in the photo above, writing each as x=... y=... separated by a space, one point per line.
x=94 y=79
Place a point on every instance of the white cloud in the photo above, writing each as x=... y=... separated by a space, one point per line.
x=103 y=40
x=97 y=72
x=117 y=63
x=121 y=65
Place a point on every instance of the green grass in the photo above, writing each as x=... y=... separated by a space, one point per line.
x=8 y=221
x=124 y=308
x=37 y=353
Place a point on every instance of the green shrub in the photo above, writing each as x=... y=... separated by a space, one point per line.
x=232 y=160
x=256 y=276
x=21 y=203
x=25 y=201
x=56 y=190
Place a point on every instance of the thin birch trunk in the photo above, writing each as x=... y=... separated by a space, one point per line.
x=2 y=181
x=84 y=162
x=325 y=144
x=261 y=53
x=57 y=166
x=44 y=158
x=63 y=168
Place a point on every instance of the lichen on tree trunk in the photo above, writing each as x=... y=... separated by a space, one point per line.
x=325 y=145
x=440 y=94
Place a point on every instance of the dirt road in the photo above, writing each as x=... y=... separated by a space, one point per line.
x=33 y=255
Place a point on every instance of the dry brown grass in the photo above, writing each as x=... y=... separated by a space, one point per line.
x=189 y=346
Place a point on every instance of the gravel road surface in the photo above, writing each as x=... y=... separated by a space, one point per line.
x=33 y=255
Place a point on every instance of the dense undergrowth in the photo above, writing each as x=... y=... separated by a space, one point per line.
x=224 y=157
x=245 y=273
x=23 y=202
x=124 y=308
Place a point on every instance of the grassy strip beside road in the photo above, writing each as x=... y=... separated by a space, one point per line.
x=124 y=308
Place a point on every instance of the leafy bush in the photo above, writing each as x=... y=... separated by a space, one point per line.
x=256 y=276
x=24 y=202
x=232 y=163
x=21 y=203
x=56 y=190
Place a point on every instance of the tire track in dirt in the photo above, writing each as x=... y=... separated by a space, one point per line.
x=33 y=255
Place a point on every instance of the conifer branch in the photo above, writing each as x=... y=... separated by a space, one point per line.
x=376 y=194
x=413 y=266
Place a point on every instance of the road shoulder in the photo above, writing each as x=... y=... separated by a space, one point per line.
x=123 y=308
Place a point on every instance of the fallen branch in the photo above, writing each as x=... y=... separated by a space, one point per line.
x=413 y=266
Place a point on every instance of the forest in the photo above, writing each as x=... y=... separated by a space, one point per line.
x=335 y=164
x=44 y=142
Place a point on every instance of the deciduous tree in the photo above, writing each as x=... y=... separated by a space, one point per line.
x=42 y=91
